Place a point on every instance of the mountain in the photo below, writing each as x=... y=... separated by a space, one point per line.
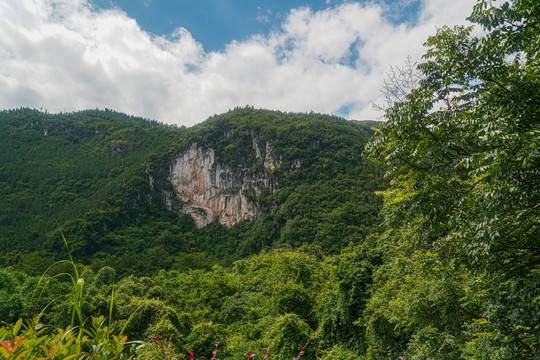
x=118 y=186
x=451 y=272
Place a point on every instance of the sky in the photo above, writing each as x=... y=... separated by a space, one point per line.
x=181 y=61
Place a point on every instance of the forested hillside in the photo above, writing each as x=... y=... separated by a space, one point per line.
x=100 y=176
x=447 y=268
x=64 y=169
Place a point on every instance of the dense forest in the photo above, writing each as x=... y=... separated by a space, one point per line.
x=438 y=259
x=90 y=176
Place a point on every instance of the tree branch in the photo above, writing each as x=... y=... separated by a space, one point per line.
x=521 y=222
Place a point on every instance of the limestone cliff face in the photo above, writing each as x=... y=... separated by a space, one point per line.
x=210 y=190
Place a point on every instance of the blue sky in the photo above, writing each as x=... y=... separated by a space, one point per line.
x=181 y=61
x=216 y=23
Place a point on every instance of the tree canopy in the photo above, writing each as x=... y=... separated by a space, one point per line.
x=463 y=153
x=453 y=271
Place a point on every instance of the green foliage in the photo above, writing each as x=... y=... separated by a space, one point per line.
x=100 y=175
x=342 y=306
x=271 y=299
x=204 y=337
x=469 y=169
x=15 y=292
x=80 y=170
x=286 y=334
x=339 y=353
x=452 y=272
x=29 y=341
x=462 y=213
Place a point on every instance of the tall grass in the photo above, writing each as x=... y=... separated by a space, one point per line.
x=77 y=341
x=76 y=281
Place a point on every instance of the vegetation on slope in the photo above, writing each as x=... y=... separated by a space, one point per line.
x=452 y=273
x=60 y=169
x=277 y=299
x=87 y=173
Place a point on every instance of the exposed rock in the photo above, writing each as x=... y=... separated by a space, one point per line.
x=268 y=160
x=211 y=190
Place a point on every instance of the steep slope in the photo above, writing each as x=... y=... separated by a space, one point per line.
x=57 y=168
x=238 y=183
x=210 y=190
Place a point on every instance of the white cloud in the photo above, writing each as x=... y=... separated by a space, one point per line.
x=63 y=55
x=263 y=16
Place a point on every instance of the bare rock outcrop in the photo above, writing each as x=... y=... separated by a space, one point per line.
x=210 y=190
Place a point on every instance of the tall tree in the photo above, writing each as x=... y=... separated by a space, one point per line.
x=463 y=149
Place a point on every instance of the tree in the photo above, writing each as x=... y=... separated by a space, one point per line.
x=463 y=149
x=399 y=82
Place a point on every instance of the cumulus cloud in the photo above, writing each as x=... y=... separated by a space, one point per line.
x=64 y=55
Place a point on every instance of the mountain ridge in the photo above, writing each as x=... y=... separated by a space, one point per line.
x=105 y=179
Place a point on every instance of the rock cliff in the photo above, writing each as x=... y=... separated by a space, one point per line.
x=210 y=190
